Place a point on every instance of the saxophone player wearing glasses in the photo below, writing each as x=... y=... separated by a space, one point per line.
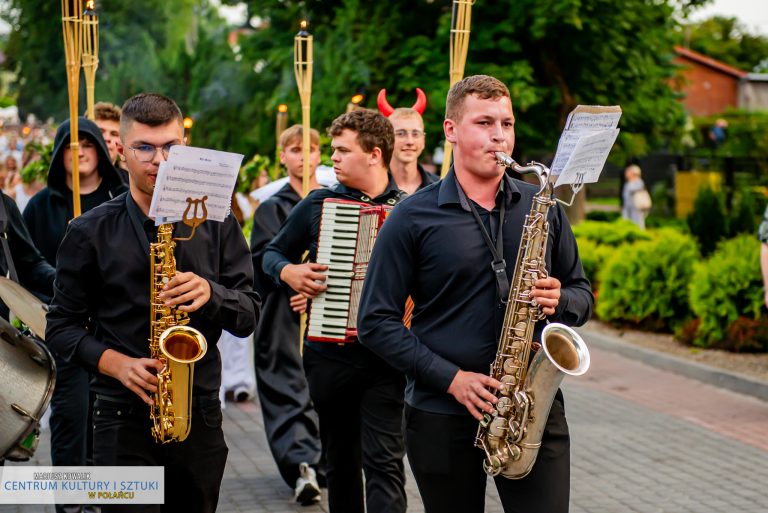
x=453 y=247
x=100 y=316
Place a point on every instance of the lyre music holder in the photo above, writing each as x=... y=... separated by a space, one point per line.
x=575 y=188
x=194 y=221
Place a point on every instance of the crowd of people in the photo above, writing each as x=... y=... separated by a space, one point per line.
x=336 y=415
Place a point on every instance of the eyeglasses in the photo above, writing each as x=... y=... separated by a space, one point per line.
x=403 y=134
x=147 y=152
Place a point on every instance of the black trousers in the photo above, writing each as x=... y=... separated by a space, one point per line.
x=71 y=438
x=194 y=468
x=290 y=421
x=449 y=468
x=361 y=410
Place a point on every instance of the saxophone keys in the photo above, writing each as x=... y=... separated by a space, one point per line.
x=498 y=427
x=504 y=405
x=508 y=383
x=509 y=366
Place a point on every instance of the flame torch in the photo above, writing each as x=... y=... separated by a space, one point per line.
x=90 y=53
x=302 y=67
x=71 y=22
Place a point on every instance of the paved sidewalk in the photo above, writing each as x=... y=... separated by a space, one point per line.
x=643 y=440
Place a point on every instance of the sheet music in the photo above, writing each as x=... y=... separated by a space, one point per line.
x=583 y=121
x=193 y=173
x=588 y=157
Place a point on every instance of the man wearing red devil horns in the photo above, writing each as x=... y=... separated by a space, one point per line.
x=409 y=143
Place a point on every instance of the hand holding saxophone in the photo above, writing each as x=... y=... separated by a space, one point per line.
x=546 y=291
x=471 y=390
x=136 y=374
x=188 y=291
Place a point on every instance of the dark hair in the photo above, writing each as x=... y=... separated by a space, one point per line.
x=373 y=131
x=482 y=86
x=104 y=111
x=150 y=109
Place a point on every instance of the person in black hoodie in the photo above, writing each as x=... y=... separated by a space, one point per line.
x=289 y=418
x=49 y=211
x=47 y=215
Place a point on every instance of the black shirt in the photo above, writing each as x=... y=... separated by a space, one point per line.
x=34 y=273
x=101 y=293
x=432 y=249
x=299 y=234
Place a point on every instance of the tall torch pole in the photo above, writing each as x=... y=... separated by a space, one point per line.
x=90 y=53
x=71 y=22
x=461 y=20
x=302 y=67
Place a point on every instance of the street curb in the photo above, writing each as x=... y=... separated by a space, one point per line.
x=694 y=370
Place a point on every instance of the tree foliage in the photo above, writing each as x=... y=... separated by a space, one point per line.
x=553 y=55
x=728 y=40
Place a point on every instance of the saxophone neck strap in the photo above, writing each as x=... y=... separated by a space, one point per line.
x=499 y=265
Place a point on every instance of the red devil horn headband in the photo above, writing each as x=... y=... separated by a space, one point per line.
x=386 y=109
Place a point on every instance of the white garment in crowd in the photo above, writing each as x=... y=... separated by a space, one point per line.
x=237 y=372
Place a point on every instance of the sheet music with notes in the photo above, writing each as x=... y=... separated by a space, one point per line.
x=589 y=134
x=194 y=173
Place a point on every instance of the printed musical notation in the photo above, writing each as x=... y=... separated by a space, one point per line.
x=193 y=173
x=589 y=134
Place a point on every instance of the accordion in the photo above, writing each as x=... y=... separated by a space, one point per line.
x=348 y=230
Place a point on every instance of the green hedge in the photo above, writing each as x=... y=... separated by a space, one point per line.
x=646 y=284
x=598 y=240
x=616 y=233
x=726 y=287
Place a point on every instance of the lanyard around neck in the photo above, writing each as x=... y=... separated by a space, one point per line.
x=498 y=265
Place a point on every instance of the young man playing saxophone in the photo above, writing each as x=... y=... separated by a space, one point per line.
x=433 y=248
x=101 y=308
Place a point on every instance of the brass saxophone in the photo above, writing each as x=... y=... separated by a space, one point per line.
x=176 y=345
x=511 y=435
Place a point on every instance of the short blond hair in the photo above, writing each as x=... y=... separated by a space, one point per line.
x=404 y=113
x=482 y=86
x=105 y=111
x=295 y=133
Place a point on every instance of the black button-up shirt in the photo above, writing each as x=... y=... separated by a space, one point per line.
x=300 y=233
x=432 y=249
x=101 y=293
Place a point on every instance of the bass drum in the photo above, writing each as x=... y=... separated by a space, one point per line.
x=27 y=377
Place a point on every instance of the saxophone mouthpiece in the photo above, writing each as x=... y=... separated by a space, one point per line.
x=504 y=160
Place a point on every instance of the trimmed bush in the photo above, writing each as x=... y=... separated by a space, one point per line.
x=598 y=240
x=616 y=233
x=646 y=284
x=593 y=256
x=725 y=287
x=708 y=221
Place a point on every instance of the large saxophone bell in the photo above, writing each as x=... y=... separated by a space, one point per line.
x=181 y=346
x=565 y=349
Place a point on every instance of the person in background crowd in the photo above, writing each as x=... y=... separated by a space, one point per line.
x=289 y=418
x=635 y=197
x=409 y=143
x=107 y=118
